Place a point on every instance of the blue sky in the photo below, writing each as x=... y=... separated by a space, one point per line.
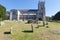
x=51 y=6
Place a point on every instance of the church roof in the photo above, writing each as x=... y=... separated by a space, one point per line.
x=25 y=11
x=29 y=11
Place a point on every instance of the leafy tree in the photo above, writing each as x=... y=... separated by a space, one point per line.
x=2 y=12
x=57 y=16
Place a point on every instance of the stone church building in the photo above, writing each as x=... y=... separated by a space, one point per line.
x=35 y=14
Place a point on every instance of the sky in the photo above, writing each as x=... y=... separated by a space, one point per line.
x=51 y=6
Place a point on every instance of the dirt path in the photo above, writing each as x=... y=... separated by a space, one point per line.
x=2 y=35
x=49 y=36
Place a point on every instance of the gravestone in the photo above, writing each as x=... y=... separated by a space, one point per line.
x=46 y=24
x=43 y=23
x=11 y=30
x=2 y=23
x=32 y=27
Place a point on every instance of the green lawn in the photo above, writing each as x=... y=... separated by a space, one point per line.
x=41 y=33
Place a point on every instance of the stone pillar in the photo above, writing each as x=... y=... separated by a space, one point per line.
x=10 y=15
x=18 y=15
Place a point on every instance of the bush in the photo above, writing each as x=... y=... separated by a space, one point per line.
x=0 y=19
x=29 y=21
x=34 y=21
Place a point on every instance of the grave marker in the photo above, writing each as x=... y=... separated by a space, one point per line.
x=32 y=27
x=11 y=30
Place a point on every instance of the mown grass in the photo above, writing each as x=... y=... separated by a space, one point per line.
x=18 y=27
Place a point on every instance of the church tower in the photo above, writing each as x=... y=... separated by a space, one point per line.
x=41 y=9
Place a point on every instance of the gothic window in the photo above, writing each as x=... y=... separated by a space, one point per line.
x=41 y=8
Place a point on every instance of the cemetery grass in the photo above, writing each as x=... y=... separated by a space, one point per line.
x=40 y=33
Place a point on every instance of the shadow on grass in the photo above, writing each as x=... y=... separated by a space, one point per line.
x=7 y=32
x=28 y=31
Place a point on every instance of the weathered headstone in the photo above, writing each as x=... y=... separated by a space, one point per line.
x=1 y=23
x=32 y=27
x=46 y=24
x=11 y=30
x=43 y=23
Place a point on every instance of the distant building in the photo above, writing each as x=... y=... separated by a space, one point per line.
x=34 y=14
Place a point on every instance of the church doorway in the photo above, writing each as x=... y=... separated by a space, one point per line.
x=40 y=18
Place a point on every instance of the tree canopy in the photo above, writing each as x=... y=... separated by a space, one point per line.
x=2 y=12
x=57 y=16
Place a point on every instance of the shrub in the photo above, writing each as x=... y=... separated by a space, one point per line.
x=34 y=21
x=0 y=19
x=29 y=21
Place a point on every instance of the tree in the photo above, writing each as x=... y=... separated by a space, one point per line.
x=57 y=16
x=2 y=12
